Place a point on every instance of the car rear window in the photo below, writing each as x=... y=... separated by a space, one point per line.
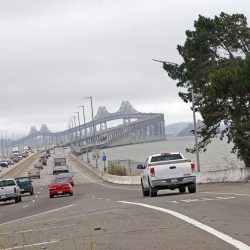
x=6 y=183
x=59 y=181
x=166 y=157
x=25 y=179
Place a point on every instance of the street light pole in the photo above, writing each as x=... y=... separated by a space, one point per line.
x=80 y=132
x=74 y=123
x=85 y=132
x=194 y=119
x=93 y=124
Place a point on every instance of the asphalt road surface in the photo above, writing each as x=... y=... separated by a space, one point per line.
x=101 y=215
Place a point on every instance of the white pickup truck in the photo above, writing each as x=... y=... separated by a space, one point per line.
x=9 y=190
x=167 y=171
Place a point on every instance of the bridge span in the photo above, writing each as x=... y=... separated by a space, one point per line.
x=126 y=126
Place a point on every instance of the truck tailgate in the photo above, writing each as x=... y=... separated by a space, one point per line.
x=172 y=169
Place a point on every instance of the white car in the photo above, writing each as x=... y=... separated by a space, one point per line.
x=9 y=190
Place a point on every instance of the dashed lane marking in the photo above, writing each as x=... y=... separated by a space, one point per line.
x=225 y=193
x=236 y=243
x=201 y=199
x=75 y=216
x=28 y=217
x=40 y=229
x=26 y=206
x=32 y=245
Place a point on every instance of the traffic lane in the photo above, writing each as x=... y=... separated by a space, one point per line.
x=220 y=203
x=225 y=212
x=108 y=225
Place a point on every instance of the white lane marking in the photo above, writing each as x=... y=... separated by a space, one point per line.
x=36 y=196
x=26 y=206
x=236 y=243
x=33 y=201
x=28 y=217
x=202 y=199
x=96 y=182
x=100 y=198
x=75 y=216
x=40 y=229
x=38 y=192
x=32 y=245
x=224 y=198
x=225 y=193
x=190 y=200
x=41 y=188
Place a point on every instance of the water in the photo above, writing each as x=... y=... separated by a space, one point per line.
x=218 y=155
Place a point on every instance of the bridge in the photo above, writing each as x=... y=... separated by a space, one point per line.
x=131 y=127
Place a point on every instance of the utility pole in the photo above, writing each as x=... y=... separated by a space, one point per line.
x=85 y=132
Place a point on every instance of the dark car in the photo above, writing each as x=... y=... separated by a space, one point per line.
x=10 y=162
x=25 y=184
x=15 y=159
x=43 y=160
x=4 y=164
x=39 y=165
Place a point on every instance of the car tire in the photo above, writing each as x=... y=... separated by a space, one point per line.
x=32 y=192
x=152 y=191
x=71 y=194
x=20 y=198
x=17 y=199
x=51 y=196
x=182 y=189
x=192 y=188
x=144 y=191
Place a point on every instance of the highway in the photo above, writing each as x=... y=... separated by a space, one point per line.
x=101 y=215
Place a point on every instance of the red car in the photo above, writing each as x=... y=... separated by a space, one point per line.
x=66 y=176
x=59 y=187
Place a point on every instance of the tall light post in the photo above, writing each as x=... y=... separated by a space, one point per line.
x=79 y=127
x=74 y=123
x=194 y=118
x=85 y=131
x=93 y=124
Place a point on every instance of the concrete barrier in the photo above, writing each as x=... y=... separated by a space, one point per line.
x=227 y=175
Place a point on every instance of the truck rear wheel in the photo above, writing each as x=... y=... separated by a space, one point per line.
x=17 y=199
x=144 y=191
x=182 y=189
x=192 y=188
x=152 y=191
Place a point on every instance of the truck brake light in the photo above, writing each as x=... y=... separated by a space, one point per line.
x=192 y=166
x=152 y=171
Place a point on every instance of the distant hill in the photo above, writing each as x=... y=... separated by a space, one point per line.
x=173 y=129
x=188 y=130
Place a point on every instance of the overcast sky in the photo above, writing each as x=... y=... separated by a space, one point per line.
x=55 y=52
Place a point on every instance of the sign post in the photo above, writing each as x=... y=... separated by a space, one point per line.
x=104 y=158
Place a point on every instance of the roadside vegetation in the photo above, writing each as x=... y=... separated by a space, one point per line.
x=115 y=169
x=216 y=66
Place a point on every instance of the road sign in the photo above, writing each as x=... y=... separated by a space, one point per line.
x=104 y=157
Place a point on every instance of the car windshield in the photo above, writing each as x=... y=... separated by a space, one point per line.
x=59 y=181
x=64 y=175
x=4 y=183
x=166 y=157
